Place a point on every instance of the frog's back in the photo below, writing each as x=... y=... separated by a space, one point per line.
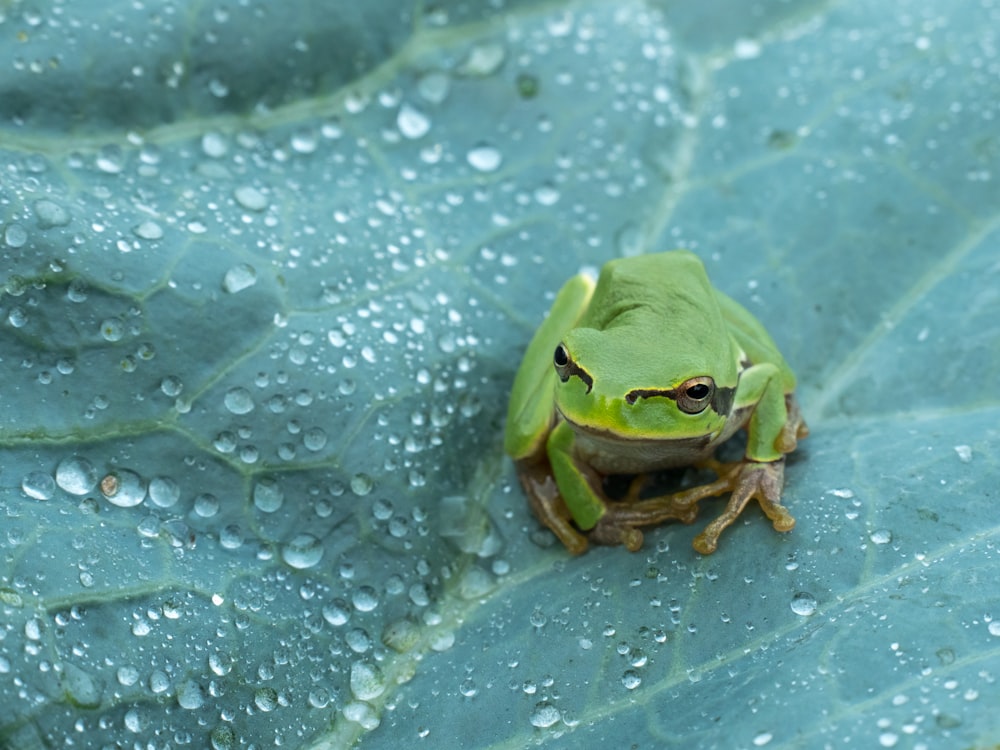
x=672 y=287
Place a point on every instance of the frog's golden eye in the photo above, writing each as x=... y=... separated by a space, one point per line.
x=695 y=394
x=567 y=368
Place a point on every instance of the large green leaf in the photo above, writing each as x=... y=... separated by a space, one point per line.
x=268 y=271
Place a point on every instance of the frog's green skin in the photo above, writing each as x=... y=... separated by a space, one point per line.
x=651 y=368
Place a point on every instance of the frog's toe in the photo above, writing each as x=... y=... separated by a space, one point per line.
x=781 y=519
x=610 y=533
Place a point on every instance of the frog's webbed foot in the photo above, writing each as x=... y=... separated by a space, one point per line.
x=548 y=505
x=748 y=480
x=620 y=522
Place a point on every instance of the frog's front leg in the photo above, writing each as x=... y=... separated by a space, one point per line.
x=546 y=502
x=747 y=480
x=582 y=492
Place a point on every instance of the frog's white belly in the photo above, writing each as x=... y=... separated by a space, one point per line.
x=610 y=453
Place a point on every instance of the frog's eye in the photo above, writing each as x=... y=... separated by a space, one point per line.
x=695 y=394
x=561 y=358
x=567 y=368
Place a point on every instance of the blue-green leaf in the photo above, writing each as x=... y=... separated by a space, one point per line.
x=268 y=270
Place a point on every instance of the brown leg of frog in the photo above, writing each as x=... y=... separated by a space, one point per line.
x=548 y=505
x=795 y=427
x=744 y=479
x=748 y=480
x=619 y=523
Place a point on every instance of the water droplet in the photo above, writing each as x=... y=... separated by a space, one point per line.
x=133 y=720
x=171 y=386
x=123 y=488
x=433 y=87
x=547 y=195
x=206 y=505
x=361 y=484
x=189 y=695
x=148 y=230
x=112 y=329
x=50 y=214
x=164 y=492
x=401 y=635
x=81 y=688
x=76 y=475
x=39 y=485
x=762 y=738
x=881 y=536
x=964 y=453
x=804 y=604
x=412 y=123
x=250 y=198
x=127 y=675
x=220 y=663
x=337 y=613
x=483 y=59
x=364 y=599
x=361 y=713
x=238 y=400
x=15 y=235
x=267 y=495
x=214 y=145
x=303 y=551
x=223 y=737
x=484 y=158
x=314 y=439
x=266 y=699
x=367 y=681
x=544 y=715
x=746 y=49
x=239 y=277
x=631 y=679
x=110 y=160
x=994 y=628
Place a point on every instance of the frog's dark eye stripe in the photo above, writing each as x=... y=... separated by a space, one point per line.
x=693 y=396
x=567 y=368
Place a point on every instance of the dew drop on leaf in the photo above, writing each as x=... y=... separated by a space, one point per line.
x=164 y=492
x=123 y=488
x=76 y=475
x=484 y=158
x=239 y=277
x=304 y=551
x=50 y=214
x=412 y=123
x=112 y=329
x=250 y=198
x=433 y=87
x=267 y=495
x=148 y=230
x=15 y=235
x=223 y=737
x=881 y=536
x=544 y=715
x=803 y=604
x=238 y=400
x=266 y=699
x=38 y=485
x=631 y=679
x=367 y=681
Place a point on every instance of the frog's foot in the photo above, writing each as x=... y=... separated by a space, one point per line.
x=749 y=480
x=619 y=523
x=611 y=530
x=548 y=505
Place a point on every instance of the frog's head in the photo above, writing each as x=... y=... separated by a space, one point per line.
x=654 y=388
